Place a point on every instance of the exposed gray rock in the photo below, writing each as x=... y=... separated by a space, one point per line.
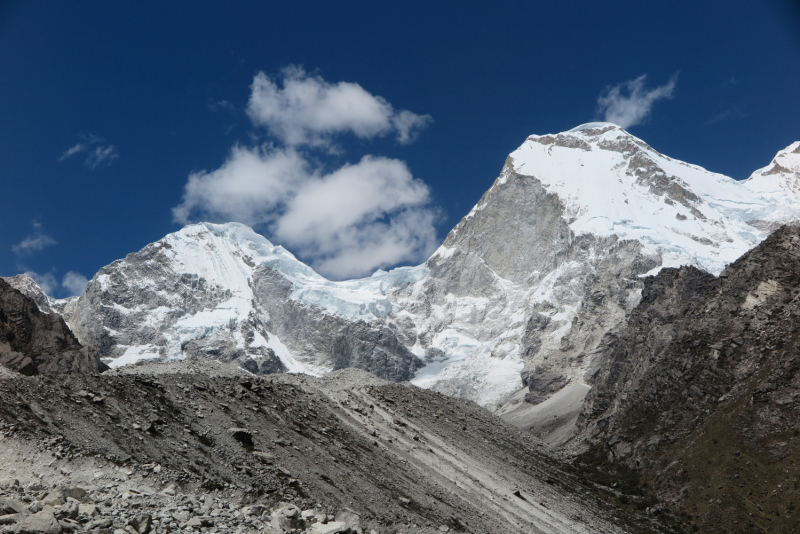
x=142 y=523
x=12 y=506
x=350 y=450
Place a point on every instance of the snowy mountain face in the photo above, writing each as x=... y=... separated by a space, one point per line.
x=780 y=183
x=551 y=258
x=521 y=292
x=225 y=292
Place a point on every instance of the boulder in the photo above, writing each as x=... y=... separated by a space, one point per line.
x=334 y=527
x=43 y=522
x=54 y=498
x=12 y=506
x=265 y=457
x=142 y=523
x=10 y=519
x=88 y=510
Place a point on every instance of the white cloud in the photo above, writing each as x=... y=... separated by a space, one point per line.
x=96 y=149
x=307 y=110
x=360 y=217
x=408 y=125
x=632 y=108
x=46 y=281
x=345 y=222
x=33 y=242
x=77 y=149
x=100 y=155
x=74 y=283
x=246 y=188
x=348 y=222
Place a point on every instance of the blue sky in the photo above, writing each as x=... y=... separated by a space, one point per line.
x=355 y=134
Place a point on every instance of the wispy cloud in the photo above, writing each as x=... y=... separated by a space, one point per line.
x=221 y=105
x=730 y=114
x=347 y=221
x=35 y=241
x=307 y=110
x=95 y=148
x=629 y=103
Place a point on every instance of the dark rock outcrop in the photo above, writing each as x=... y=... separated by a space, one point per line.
x=700 y=389
x=33 y=342
x=374 y=349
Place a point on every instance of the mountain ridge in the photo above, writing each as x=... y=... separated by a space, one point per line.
x=519 y=294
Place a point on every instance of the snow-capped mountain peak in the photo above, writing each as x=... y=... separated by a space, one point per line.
x=612 y=183
x=780 y=180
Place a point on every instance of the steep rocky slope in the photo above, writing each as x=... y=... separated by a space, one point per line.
x=34 y=342
x=400 y=458
x=700 y=391
x=550 y=257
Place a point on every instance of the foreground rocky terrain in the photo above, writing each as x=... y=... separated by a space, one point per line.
x=207 y=447
x=700 y=392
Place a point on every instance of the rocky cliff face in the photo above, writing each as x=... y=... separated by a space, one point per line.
x=34 y=342
x=700 y=389
x=28 y=287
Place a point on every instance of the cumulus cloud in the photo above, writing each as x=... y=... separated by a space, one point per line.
x=34 y=242
x=246 y=188
x=74 y=283
x=629 y=103
x=95 y=148
x=307 y=110
x=347 y=222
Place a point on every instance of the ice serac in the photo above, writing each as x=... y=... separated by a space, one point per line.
x=225 y=292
